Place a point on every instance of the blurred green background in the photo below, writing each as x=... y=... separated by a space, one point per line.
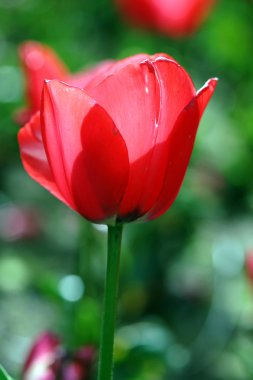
x=185 y=305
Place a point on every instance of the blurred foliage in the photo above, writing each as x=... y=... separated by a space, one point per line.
x=185 y=306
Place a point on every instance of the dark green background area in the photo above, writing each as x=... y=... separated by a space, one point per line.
x=185 y=305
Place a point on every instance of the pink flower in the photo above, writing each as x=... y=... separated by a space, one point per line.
x=47 y=360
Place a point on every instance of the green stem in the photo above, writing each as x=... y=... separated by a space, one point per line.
x=110 y=302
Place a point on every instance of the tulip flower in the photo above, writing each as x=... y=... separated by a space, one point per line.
x=48 y=360
x=40 y=62
x=119 y=149
x=116 y=150
x=176 y=18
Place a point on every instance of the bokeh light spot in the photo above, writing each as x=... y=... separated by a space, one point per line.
x=71 y=288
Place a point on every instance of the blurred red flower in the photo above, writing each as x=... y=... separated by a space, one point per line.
x=173 y=17
x=47 y=360
x=18 y=222
x=249 y=265
x=119 y=149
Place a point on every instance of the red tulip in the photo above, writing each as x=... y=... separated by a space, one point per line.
x=119 y=149
x=47 y=360
x=172 y=17
x=39 y=62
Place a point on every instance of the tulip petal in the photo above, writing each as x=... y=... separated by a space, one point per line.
x=205 y=93
x=86 y=152
x=176 y=91
x=105 y=161
x=90 y=78
x=180 y=145
x=39 y=63
x=144 y=100
x=131 y=98
x=34 y=157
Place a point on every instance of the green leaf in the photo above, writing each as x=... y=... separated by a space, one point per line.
x=4 y=375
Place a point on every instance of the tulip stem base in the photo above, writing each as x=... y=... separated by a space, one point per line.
x=105 y=369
